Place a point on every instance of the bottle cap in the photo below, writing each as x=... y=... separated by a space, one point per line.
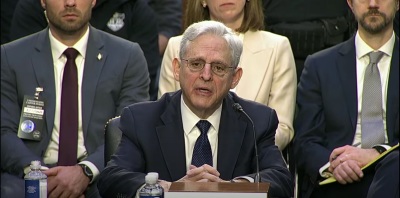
x=153 y=173
x=35 y=164
x=151 y=178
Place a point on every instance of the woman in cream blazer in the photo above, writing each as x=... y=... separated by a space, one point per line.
x=269 y=76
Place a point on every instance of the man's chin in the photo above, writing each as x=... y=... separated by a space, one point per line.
x=374 y=27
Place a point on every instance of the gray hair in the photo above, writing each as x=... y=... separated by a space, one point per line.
x=214 y=28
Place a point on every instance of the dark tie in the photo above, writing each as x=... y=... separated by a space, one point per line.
x=372 y=131
x=68 y=139
x=202 y=149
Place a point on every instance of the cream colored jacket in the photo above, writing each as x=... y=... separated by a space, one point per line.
x=269 y=76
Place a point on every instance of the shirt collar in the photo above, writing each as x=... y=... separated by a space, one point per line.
x=58 y=48
x=189 y=119
x=363 y=48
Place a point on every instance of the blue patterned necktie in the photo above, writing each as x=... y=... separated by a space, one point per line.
x=372 y=131
x=202 y=149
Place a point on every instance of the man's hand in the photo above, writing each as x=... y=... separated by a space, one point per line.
x=345 y=153
x=205 y=173
x=165 y=184
x=66 y=181
x=348 y=172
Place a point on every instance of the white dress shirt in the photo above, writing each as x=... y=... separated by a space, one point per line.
x=362 y=51
x=189 y=121
x=59 y=60
x=362 y=61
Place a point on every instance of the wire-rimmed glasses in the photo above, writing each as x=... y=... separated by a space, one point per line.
x=197 y=65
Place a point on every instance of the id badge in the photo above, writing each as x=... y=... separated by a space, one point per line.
x=32 y=118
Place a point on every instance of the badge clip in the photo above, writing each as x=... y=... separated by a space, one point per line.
x=37 y=92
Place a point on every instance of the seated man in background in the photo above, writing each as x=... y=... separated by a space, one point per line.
x=163 y=136
x=347 y=95
x=133 y=20
x=79 y=78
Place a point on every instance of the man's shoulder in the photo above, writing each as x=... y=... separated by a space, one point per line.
x=24 y=43
x=249 y=105
x=110 y=39
x=332 y=51
x=260 y=114
x=165 y=108
x=160 y=104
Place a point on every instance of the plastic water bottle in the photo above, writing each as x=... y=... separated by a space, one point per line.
x=35 y=182
x=152 y=189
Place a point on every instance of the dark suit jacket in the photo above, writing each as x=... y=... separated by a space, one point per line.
x=327 y=108
x=138 y=25
x=119 y=78
x=153 y=141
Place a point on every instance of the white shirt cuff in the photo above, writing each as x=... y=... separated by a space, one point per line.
x=386 y=147
x=323 y=171
x=250 y=179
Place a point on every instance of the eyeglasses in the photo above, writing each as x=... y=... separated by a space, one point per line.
x=217 y=68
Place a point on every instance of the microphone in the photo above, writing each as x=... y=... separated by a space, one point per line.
x=238 y=107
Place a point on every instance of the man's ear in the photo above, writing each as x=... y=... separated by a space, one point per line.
x=176 y=68
x=350 y=3
x=93 y=3
x=236 y=77
x=43 y=3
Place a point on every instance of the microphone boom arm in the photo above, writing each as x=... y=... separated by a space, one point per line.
x=238 y=107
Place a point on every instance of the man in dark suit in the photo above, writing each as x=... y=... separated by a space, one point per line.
x=132 y=20
x=332 y=113
x=110 y=74
x=162 y=136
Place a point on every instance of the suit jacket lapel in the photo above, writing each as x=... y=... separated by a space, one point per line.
x=346 y=65
x=250 y=62
x=42 y=63
x=392 y=103
x=230 y=139
x=171 y=138
x=94 y=61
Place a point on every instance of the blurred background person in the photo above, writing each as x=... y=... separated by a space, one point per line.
x=169 y=23
x=310 y=25
x=133 y=20
x=349 y=95
x=86 y=77
x=7 y=10
x=269 y=73
x=169 y=20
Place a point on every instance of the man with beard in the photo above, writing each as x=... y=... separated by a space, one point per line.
x=349 y=95
x=133 y=20
x=63 y=84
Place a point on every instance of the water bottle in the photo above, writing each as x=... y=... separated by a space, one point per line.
x=35 y=182
x=152 y=189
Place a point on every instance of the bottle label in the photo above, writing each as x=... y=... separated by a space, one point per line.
x=35 y=188
x=150 y=196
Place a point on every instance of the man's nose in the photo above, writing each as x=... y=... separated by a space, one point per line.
x=70 y=3
x=206 y=73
